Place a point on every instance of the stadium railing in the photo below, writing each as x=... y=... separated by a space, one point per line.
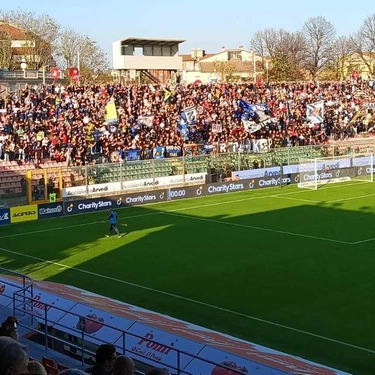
x=23 y=309
x=221 y=165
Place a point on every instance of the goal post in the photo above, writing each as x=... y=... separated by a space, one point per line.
x=322 y=171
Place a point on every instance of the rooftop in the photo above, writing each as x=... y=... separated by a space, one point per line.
x=144 y=42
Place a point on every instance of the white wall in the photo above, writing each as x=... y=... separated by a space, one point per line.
x=147 y=62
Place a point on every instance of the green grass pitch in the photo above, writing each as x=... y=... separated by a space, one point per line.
x=288 y=268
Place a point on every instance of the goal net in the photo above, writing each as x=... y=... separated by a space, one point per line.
x=316 y=172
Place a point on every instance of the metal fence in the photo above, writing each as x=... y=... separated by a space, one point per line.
x=23 y=309
x=221 y=165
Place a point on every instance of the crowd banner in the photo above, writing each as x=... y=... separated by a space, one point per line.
x=50 y=210
x=173 y=151
x=158 y=152
x=23 y=213
x=133 y=155
x=4 y=216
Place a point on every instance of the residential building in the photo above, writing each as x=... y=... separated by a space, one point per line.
x=17 y=46
x=228 y=64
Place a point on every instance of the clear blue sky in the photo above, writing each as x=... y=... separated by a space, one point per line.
x=205 y=24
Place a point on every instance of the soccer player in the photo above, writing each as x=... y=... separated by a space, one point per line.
x=112 y=217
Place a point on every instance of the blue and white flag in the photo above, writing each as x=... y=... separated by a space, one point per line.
x=315 y=113
x=190 y=115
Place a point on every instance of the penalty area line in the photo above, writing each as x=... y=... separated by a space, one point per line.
x=190 y=300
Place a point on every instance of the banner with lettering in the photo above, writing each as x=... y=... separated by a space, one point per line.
x=228 y=147
x=159 y=152
x=262 y=145
x=217 y=128
x=133 y=155
x=173 y=151
x=194 y=149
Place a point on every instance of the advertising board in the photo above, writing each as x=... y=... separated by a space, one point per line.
x=4 y=216
x=184 y=192
x=224 y=187
x=50 y=210
x=136 y=199
x=113 y=187
x=92 y=205
x=23 y=213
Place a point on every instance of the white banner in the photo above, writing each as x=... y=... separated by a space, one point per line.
x=113 y=187
x=262 y=145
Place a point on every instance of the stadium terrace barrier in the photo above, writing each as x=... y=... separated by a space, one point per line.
x=244 y=180
x=147 y=337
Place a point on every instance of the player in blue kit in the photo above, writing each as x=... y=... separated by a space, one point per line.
x=112 y=218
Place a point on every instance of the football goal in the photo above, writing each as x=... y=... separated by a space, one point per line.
x=321 y=171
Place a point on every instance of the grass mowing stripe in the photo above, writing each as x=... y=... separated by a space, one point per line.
x=190 y=300
x=281 y=196
x=258 y=228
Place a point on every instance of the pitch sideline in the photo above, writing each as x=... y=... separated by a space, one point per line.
x=190 y=300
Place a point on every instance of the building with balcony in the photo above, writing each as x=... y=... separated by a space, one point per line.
x=228 y=64
x=156 y=60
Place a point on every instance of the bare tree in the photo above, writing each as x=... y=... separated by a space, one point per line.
x=76 y=50
x=42 y=31
x=320 y=37
x=286 y=51
x=363 y=43
x=6 y=51
x=341 y=54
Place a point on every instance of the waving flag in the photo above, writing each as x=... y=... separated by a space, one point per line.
x=183 y=129
x=74 y=74
x=55 y=73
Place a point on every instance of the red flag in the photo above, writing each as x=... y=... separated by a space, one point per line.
x=74 y=74
x=55 y=73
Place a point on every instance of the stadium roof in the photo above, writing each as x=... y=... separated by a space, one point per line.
x=142 y=42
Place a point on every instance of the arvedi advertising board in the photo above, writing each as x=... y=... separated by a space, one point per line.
x=116 y=187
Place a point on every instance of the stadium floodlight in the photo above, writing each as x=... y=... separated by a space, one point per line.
x=322 y=171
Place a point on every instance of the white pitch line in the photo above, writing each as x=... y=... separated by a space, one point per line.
x=69 y=226
x=363 y=241
x=176 y=296
x=258 y=228
x=295 y=199
x=352 y=198
x=282 y=195
x=148 y=214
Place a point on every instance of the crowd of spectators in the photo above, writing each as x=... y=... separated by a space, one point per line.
x=14 y=360
x=66 y=124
